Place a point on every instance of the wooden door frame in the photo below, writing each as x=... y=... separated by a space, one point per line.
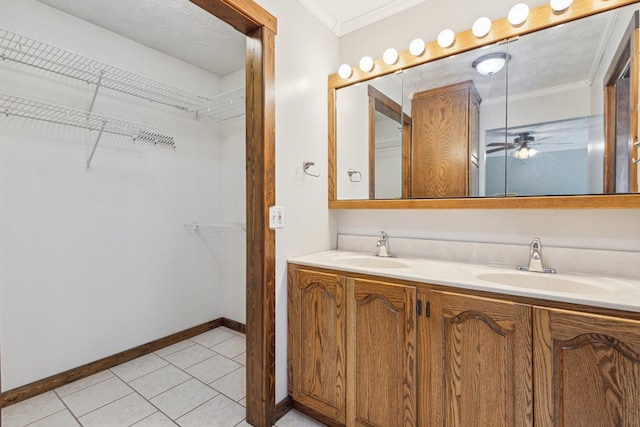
x=626 y=55
x=260 y=28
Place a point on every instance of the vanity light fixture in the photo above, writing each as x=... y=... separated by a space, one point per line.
x=345 y=71
x=524 y=153
x=560 y=6
x=481 y=27
x=366 y=64
x=489 y=64
x=518 y=14
x=417 y=47
x=446 y=38
x=390 y=56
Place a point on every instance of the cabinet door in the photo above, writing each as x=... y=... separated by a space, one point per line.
x=316 y=348
x=587 y=369
x=381 y=355
x=478 y=371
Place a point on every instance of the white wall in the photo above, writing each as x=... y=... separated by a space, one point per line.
x=93 y=263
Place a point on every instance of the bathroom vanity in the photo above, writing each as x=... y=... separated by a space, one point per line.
x=415 y=342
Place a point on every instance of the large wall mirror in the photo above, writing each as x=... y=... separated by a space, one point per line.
x=544 y=115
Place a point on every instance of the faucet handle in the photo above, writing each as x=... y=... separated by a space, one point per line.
x=536 y=244
x=383 y=236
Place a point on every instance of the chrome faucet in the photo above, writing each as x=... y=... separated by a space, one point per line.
x=383 y=246
x=535 y=259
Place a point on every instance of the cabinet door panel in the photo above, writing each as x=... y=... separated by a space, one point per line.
x=381 y=356
x=317 y=342
x=480 y=362
x=587 y=369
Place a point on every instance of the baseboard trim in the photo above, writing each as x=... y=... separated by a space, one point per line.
x=284 y=406
x=47 y=384
x=312 y=413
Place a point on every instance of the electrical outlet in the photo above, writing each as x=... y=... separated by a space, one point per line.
x=276 y=217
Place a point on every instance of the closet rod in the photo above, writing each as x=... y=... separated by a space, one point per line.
x=34 y=53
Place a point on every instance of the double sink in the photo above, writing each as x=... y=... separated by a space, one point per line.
x=493 y=275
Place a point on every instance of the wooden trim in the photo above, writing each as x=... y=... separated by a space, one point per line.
x=236 y=326
x=318 y=416
x=260 y=28
x=284 y=406
x=609 y=153
x=47 y=384
x=617 y=201
x=260 y=239
x=372 y=145
x=540 y=18
x=243 y=15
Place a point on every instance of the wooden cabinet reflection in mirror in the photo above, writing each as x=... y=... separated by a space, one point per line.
x=445 y=135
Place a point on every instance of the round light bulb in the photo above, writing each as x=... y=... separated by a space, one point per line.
x=417 y=47
x=560 y=6
x=390 y=56
x=446 y=38
x=366 y=64
x=481 y=27
x=518 y=14
x=345 y=71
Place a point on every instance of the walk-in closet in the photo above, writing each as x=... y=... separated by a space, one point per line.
x=122 y=179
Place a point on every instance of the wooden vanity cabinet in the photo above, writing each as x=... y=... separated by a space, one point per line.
x=444 y=141
x=587 y=369
x=317 y=343
x=475 y=356
x=372 y=352
x=365 y=325
x=381 y=353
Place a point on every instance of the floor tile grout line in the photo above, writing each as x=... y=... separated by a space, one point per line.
x=100 y=407
x=191 y=377
x=127 y=382
x=152 y=404
x=67 y=406
x=169 y=354
x=43 y=418
x=84 y=388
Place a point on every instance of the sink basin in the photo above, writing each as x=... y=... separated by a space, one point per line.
x=549 y=282
x=371 y=262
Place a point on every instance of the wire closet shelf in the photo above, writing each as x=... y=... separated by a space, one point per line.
x=24 y=50
x=22 y=107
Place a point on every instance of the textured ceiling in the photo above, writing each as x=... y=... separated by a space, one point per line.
x=175 y=27
x=184 y=31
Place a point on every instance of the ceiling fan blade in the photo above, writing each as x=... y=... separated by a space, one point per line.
x=495 y=150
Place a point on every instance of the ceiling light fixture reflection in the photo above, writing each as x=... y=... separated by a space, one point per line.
x=345 y=71
x=492 y=63
x=524 y=153
x=518 y=14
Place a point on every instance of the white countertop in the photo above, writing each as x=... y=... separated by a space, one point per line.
x=599 y=291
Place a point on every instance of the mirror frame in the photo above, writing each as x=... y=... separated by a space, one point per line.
x=539 y=18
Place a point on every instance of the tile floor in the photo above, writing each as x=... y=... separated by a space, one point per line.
x=199 y=382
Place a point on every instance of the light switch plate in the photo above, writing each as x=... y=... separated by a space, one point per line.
x=276 y=217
